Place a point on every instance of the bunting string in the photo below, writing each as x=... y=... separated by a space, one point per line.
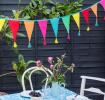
x=43 y=24
x=99 y=2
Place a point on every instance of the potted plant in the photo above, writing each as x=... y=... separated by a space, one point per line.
x=20 y=66
x=59 y=70
x=50 y=9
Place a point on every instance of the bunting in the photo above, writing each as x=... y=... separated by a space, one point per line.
x=2 y=21
x=85 y=13
x=43 y=28
x=102 y=2
x=14 y=26
x=29 y=25
x=77 y=20
x=55 y=22
x=66 y=21
x=94 y=9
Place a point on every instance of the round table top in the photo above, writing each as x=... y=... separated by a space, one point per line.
x=17 y=96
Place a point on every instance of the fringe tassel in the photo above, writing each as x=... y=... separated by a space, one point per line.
x=68 y=37
x=88 y=29
x=29 y=45
x=96 y=24
x=56 y=41
x=15 y=45
x=44 y=42
x=79 y=33
x=104 y=18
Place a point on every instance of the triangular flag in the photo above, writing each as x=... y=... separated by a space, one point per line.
x=85 y=13
x=29 y=25
x=14 y=26
x=55 y=22
x=43 y=28
x=94 y=9
x=2 y=21
x=66 y=21
x=77 y=20
x=102 y=2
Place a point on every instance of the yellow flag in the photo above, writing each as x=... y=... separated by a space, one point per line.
x=2 y=21
x=77 y=20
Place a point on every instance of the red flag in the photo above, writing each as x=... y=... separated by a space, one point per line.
x=14 y=26
x=85 y=13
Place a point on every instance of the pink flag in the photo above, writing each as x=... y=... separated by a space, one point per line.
x=43 y=28
x=102 y=2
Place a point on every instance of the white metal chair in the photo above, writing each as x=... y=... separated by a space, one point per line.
x=91 y=89
x=31 y=71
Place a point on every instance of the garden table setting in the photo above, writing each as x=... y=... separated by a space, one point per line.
x=54 y=83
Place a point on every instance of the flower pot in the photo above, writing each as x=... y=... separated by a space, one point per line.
x=36 y=98
x=55 y=89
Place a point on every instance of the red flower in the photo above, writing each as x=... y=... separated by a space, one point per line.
x=51 y=67
x=38 y=63
x=50 y=59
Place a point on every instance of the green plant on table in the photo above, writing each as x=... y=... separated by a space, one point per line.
x=58 y=68
x=20 y=66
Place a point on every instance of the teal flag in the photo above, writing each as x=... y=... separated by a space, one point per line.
x=55 y=23
x=66 y=21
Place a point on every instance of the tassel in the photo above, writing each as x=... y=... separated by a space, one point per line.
x=15 y=45
x=68 y=37
x=29 y=45
x=104 y=18
x=96 y=24
x=79 y=33
x=88 y=29
x=44 y=42
x=56 y=41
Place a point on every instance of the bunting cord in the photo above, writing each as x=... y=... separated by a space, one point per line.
x=52 y=18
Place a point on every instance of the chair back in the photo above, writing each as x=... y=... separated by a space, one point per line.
x=91 y=89
x=30 y=71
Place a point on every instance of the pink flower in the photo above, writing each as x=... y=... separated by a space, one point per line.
x=38 y=63
x=51 y=67
x=50 y=59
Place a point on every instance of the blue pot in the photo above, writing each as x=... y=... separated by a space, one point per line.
x=55 y=89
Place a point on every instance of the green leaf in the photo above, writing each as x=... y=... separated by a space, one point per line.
x=30 y=62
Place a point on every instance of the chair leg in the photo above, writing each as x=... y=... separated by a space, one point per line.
x=82 y=86
x=104 y=96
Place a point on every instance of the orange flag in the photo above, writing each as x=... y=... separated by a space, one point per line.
x=29 y=28
x=94 y=9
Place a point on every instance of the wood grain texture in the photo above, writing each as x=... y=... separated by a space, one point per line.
x=86 y=51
